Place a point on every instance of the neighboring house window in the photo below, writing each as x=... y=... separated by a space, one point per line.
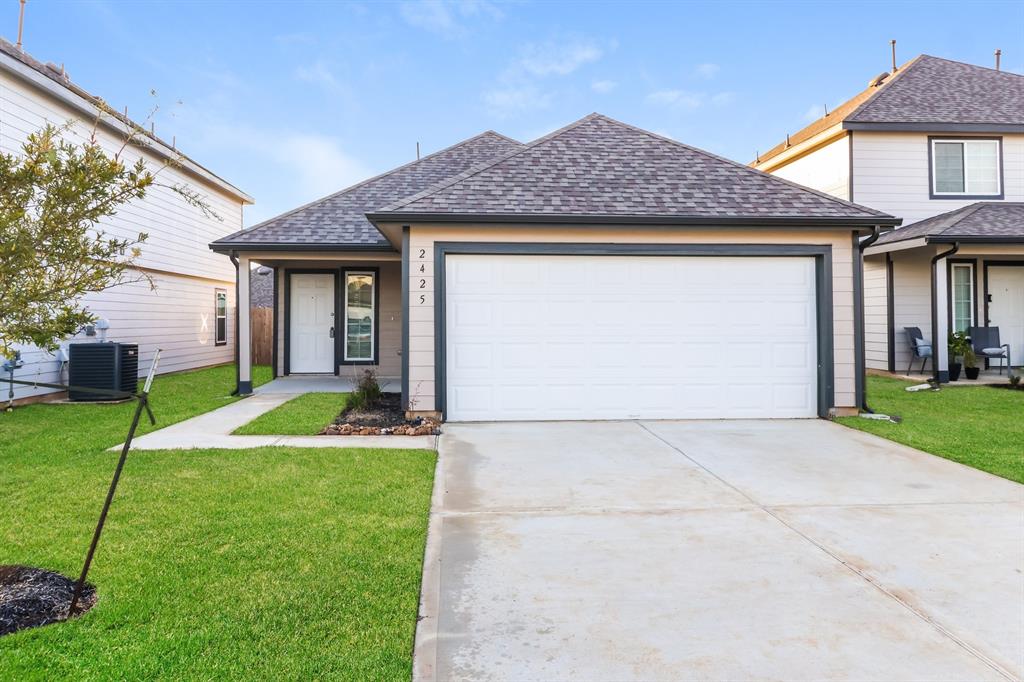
x=968 y=168
x=220 y=316
x=963 y=296
x=360 y=316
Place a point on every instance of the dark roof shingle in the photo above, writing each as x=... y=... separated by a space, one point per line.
x=984 y=220
x=926 y=90
x=601 y=167
x=340 y=219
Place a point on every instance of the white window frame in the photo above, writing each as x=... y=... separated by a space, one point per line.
x=373 y=317
x=952 y=292
x=217 y=339
x=997 y=144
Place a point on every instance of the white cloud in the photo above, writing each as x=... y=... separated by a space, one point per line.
x=603 y=86
x=559 y=59
x=723 y=98
x=317 y=72
x=677 y=99
x=706 y=71
x=446 y=17
x=295 y=39
x=518 y=87
x=814 y=112
x=512 y=99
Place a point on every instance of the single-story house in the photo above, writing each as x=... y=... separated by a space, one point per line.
x=599 y=272
x=970 y=260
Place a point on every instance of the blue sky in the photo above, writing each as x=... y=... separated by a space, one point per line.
x=293 y=100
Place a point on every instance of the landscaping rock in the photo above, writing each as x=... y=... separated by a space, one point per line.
x=386 y=418
x=30 y=597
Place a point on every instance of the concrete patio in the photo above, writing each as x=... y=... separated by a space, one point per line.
x=716 y=550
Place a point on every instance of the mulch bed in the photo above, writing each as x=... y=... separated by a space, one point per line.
x=30 y=597
x=386 y=418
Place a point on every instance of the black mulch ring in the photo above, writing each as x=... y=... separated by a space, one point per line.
x=385 y=418
x=30 y=597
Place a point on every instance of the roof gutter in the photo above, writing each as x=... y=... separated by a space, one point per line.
x=870 y=222
x=935 y=127
x=935 y=312
x=233 y=247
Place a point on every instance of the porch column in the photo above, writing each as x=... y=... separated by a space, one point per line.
x=940 y=320
x=244 y=339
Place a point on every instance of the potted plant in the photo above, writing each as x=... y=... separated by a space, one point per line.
x=971 y=368
x=959 y=346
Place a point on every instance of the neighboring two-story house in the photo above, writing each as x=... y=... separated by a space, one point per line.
x=940 y=144
x=190 y=312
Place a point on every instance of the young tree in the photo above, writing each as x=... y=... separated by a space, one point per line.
x=53 y=197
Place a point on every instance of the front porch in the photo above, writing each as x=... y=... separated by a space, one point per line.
x=335 y=314
x=987 y=377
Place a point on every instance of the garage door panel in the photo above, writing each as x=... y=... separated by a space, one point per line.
x=622 y=337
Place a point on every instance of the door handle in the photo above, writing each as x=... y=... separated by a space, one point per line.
x=332 y=332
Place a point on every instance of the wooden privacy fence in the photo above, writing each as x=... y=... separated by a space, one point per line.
x=262 y=335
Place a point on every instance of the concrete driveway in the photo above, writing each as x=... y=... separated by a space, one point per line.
x=716 y=550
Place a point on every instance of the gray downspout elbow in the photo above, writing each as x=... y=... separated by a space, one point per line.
x=935 y=310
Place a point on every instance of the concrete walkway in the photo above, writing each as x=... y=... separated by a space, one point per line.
x=793 y=550
x=213 y=429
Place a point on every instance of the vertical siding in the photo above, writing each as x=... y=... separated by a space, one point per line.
x=890 y=173
x=185 y=271
x=177 y=316
x=826 y=169
x=421 y=282
x=876 y=313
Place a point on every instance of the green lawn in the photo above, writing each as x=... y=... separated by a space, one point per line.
x=304 y=415
x=264 y=564
x=979 y=426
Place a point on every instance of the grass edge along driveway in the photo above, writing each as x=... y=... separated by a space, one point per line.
x=262 y=563
x=980 y=426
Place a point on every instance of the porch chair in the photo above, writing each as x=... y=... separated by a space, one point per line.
x=985 y=341
x=919 y=348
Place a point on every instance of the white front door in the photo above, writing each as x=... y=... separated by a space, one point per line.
x=311 y=324
x=1006 y=309
x=629 y=337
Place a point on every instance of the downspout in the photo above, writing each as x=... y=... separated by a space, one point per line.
x=935 y=309
x=862 y=361
x=238 y=377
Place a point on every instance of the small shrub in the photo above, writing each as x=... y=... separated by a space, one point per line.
x=1015 y=381
x=367 y=393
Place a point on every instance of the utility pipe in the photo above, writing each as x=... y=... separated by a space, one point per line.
x=876 y=232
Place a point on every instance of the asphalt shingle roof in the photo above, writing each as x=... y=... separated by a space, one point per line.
x=988 y=220
x=927 y=90
x=602 y=167
x=340 y=219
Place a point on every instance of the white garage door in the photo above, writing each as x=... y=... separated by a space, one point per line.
x=627 y=337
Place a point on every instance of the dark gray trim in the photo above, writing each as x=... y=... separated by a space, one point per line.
x=405 y=317
x=520 y=219
x=890 y=313
x=822 y=255
x=217 y=290
x=938 y=126
x=849 y=187
x=941 y=374
x=949 y=288
x=341 y=322
x=225 y=247
x=273 y=346
x=985 y=266
x=288 y=272
x=958 y=197
x=953 y=239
